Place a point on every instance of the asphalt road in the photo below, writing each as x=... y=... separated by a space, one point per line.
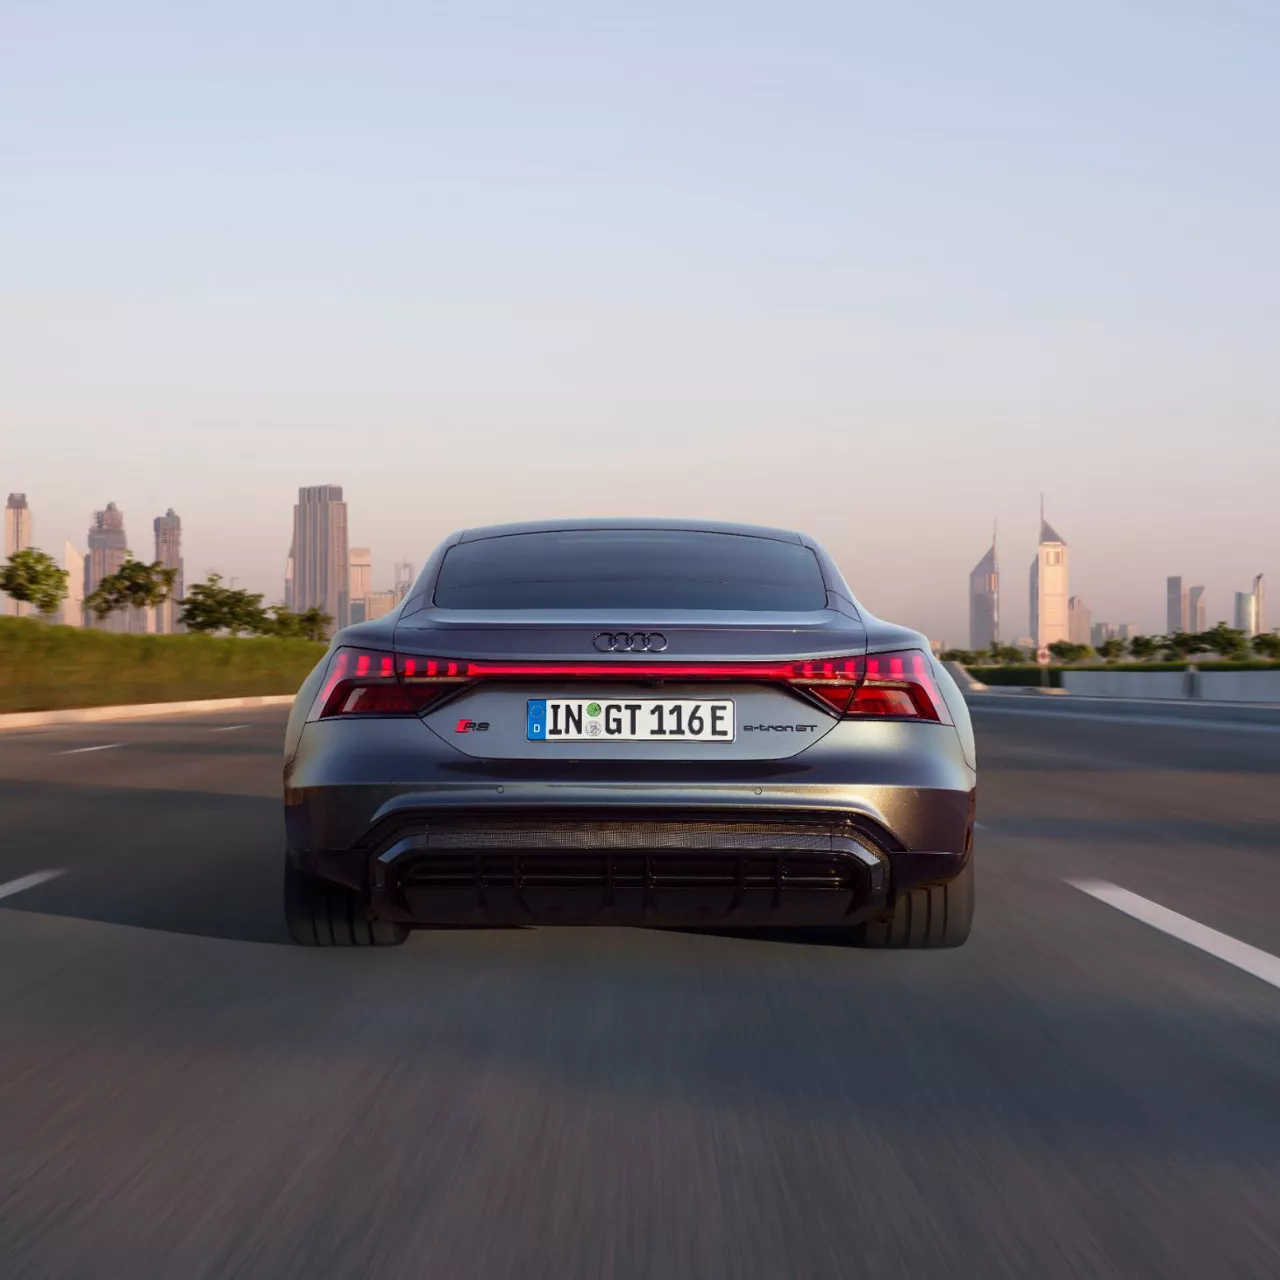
x=1075 y=1093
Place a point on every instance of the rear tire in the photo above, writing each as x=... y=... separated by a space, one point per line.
x=320 y=914
x=926 y=918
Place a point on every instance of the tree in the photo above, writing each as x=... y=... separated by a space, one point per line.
x=211 y=607
x=1225 y=641
x=1068 y=651
x=1007 y=653
x=1111 y=650
x=310 y=624
x=1267 y=645
x=1145 y=647
x=134 y=585
x=32 y=577
x=1182 y=645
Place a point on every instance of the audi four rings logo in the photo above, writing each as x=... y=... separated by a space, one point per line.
x=630 y=641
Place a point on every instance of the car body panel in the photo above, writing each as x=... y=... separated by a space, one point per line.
x=364 y=789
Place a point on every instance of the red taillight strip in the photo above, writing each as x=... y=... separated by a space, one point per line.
x=898 y=685
x=845 y=670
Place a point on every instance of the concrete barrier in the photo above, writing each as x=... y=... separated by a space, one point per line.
x=1240 y=686
x=1126 y=684
x=1202 y=686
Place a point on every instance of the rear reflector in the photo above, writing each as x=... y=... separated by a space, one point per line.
x=898 y=685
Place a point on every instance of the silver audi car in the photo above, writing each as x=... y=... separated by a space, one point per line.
x=640 y=722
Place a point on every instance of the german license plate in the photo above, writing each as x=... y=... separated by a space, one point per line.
x=629 y=720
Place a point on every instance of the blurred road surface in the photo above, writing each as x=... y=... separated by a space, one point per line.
x=1075 y=1093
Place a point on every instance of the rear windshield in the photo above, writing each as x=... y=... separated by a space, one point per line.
x=630 y=569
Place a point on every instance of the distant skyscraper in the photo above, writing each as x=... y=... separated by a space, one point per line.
x=1251 y=609
x=360 y=583
x=1176 y=606
x=1049 y=582
x=1244 y=612
x=404 y=579
x=288 y=578
x=984 y=601
x=1100 y=633
x=108 y=546
x=381 y=603
x=1195 y=610
x=321 y=561
x=17 y=537
x=1079 y=621
x=168 y=529
x=72 y=612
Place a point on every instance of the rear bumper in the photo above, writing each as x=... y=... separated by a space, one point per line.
x=829 y=836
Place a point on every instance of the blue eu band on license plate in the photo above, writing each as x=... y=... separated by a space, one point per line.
x=537 y=730
x=629 y=720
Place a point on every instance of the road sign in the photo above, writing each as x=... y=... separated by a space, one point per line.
x=1043 y=656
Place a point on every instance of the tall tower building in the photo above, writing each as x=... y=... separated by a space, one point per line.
x=404 y=579
x=984 y=601
x=17 y=537
x=108 y=546
x=1176 y=606
x=1079 y=622
x=1259 y=597
x=1049 y=587
x=360 y=585
x=72 y=611
x=168 y=529
x=1195 y=610
x=321 y=558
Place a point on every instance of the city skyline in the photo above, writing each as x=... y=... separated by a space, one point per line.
x=399 y=573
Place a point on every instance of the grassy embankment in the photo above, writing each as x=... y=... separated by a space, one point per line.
x=47 y=668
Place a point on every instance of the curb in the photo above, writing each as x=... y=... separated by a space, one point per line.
x=138 y=711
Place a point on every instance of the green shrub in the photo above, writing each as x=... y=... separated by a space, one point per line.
x=45 y=667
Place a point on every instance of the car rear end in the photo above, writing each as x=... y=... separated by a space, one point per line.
x=650 y=724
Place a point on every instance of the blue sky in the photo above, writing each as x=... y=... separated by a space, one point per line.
x=880 y=272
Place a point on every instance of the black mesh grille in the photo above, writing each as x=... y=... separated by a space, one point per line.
x=671 y=870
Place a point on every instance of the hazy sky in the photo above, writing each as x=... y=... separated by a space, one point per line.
x=881 y=272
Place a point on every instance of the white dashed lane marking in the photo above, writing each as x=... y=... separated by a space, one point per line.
x=78 y=751
x=226 y=728
x=1261 y=964
x=10 y=887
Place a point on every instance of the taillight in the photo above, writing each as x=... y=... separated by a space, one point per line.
x=365 y=682
x=897 y=684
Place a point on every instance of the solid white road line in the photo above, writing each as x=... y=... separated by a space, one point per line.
x=226 y=728
x=29 y=882
x=1262 y=964
x=78 y=751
